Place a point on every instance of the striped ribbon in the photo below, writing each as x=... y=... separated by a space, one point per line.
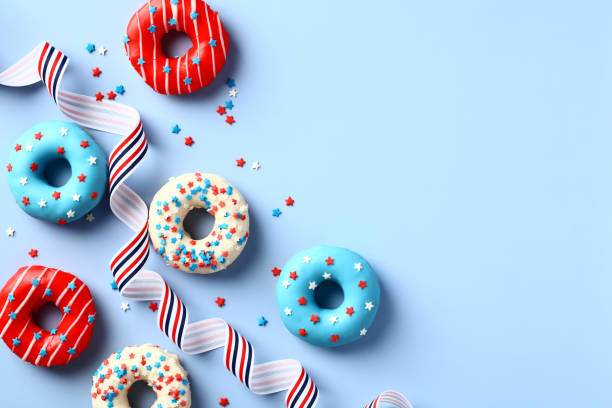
x=47 y=64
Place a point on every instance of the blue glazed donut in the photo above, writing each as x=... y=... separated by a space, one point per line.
x=295 y=296
x=43 y=144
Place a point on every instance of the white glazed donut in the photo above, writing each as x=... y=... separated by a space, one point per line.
x=218 y=197
x=161 y=370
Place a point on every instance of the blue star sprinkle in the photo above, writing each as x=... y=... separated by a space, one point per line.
x=140 y=61
x=42 y=352
x=71 y=286
x=229 y=105
x=13 y=315
x=63 y=338
x=35 y=282
x=262 y=321
x=90 y=48
x=172 y=22
x=126 y=39
x=66 y=309
x=151 y=28
x=174 y=1
x=91 y=318
x=37 y=336
x=120 y=89
x=152 y=9
x=193 y=15
x=212 y=43
x=187 y=81
x=276 y=212
x=176 y=129
x=11 y=297
x=230 y=82
x=113 y=285
x=166 y=69
x=47 y=292
x=54 y=331
x=195 y=61
x=16 y=341
x=71 y=350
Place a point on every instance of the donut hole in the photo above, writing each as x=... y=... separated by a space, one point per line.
x=329 y=294
x=198 y=223
x=47 y=317
x=141 y=395
x=175 y=44
x=58 y=172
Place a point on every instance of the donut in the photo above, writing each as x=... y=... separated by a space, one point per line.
x=24 y=293
x=161 y=370
x=43 y=144
x=219 y=198
x=167 y=74
x=295 y=295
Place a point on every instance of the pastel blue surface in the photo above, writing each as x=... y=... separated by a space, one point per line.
x=342 y=270
x=41 y=201
x=462 y=148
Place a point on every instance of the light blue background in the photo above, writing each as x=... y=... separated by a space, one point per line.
x=463 y=148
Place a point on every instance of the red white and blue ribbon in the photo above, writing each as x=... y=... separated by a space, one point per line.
x=47 y=64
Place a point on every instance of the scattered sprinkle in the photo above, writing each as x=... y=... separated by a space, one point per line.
x=90 y=47
x=223 y=402
x=33 y=253
x=240 y=162
x=120 y=89
x=276 y=212
x=256 y=165
x=221 y=110
x=113 y=285
x=262 y=321
x=90 y=217
x=176 y=129
x=230 y=120
x=10 y=232
x=102 y=51
x=96 y=72
x=276 y=271
x=111 y=95
x=289 y=201
x=232 y=92
x=230 y=82
x=188 y=141
x=99 y=96
x=220 y=302
x=125 y=307
x=153 y=306
x=229 y=105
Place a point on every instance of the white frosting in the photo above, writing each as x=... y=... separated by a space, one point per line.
x=161 y=370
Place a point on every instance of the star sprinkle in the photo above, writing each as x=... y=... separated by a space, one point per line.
x=302 y=332
x=37 y=336
x=232 y=93
x=25 y=201
x=92 y=160
x=193 y=15
x=71 y=350
x=60 y=150
x=126 y=39
x=152 y=9
x=307 y=259
x=70 y=214
x=141 y=61
x=195 y=61
x=56 y=195
x=221 y=110
x=187 y=81
x=120 y=89
x=82 y=178
x=84 y=144
x=212 y=43
x=362 y=284
x=333 y=319
x=16 y=341
x=369 y=306
x=363 y=332
x=230 y=82
x=12 y=315
x=314 y=319
x=189 y=141
x=125 y=307
x=312 y=285
x=96 y=72
x=223 y=402
x=335 y=338
x=172 y=22
x=276 y=212
x=230 y=120
x=76 y=197
x=63 y=338
x=35 y=282
x=23 y=181
x=288 y=311
x=90 y=217
x=42 y=352
x=38 y=136
x=293 y=275
x=152 y=29
x=229 y=105
x=350 y=311
x=220 y=301
x=262 y=321
x=329 y=261
x=90 y=48
x=17 y=147
x=102 y=51
x=286 y=284
x=63 y=131
x=72 y=286
x=28 y=148
x=33 y=253
x=10 y=232
x=275 y=271
x=99 y=96
x=48 y=292
x=66 y=309
x=153 y=306
x=358 y=266
x=256 y=165
x=111 y=95
x=114 y=286
x=302 y=301
x=91 y=318
x=327 y=275
x=166 y=69
x=240 y=162
x=289 y=201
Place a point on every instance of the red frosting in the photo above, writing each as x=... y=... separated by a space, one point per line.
x=24 y=293
x=198 y=67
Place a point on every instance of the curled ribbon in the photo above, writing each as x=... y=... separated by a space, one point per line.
x=47 y=64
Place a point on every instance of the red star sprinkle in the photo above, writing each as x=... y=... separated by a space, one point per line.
x=314 y=319
x=220 y=302
x=99 y=96
x=60 y=150
x=56 y=195
x=188 y=141
x=38 y=136
x=82 y=178
x=293 y=275
x=17 y=147
x=223 y=402
x=240 y=162
x=84 y=144
x=33 y=253
x=61 y=221
x=153 y=306
x=276 y=271
x=25 y=200
x=221 y=110
x=9 y=167
x=303 y=332
x=33 y=166
x=94 y=195
x=111 y=95
x=335 y=338
x=302 y=301
x=230 y=120
x=289 y=201
x=362 y=284
x=329 y=261
x=96 y=72
x=350 y=311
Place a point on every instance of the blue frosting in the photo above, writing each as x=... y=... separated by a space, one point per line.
x=40 y=146
x=295 y=296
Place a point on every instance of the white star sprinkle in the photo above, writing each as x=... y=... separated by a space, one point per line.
x=10 y=232
x=23 y=181
x=307 y=259
x=42 y=203
x=244 y=209
x=327 y=275
x=363 y=332
x=70 y=214
x=102 y=51
x=90 y=217
x=28 y=148
x=63 y=131
x=358 y=266
x=125 y=307
x=369 y=306
x=312 y=285
x=288 y=311
x=333 y=319
x=286 y=283
x=256 y=165
x=76 y=197
x=233 y=92
x=92 y=160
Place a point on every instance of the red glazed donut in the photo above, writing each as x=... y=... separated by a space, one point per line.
x=198 y=67
x=29 y=289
